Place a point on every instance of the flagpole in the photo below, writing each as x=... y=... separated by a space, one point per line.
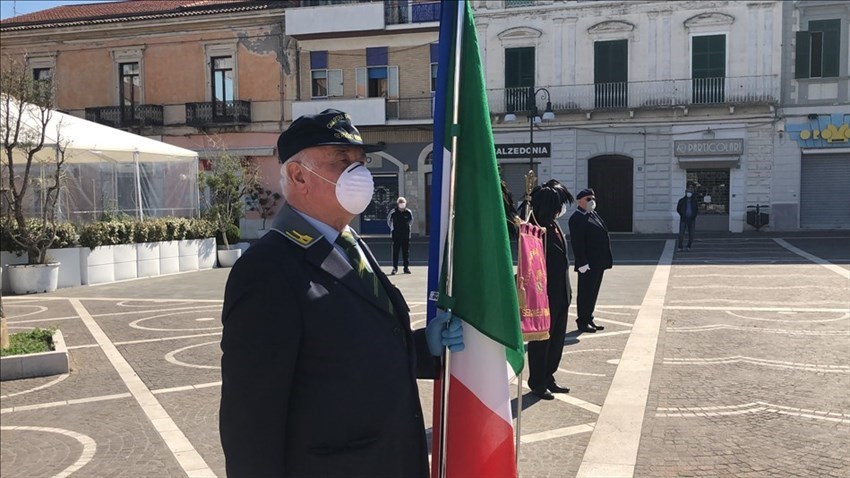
x=444 y=383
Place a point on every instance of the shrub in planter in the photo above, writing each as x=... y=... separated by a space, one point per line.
x=232 y=236
x=200 y=229
x=65 y=235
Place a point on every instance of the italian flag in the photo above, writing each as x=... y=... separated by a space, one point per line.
x=479 y=432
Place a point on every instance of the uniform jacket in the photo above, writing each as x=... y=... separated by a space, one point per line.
x=590 y=242
x=400 y=221
x=557 y=270
x=680 y=207
x=318 y=377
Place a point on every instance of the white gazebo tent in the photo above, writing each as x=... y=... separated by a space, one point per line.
x=107 y=170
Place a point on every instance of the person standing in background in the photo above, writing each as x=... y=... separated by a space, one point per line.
x=549 y=202
x=592 y=252
x=400 y=219
x=688 y=210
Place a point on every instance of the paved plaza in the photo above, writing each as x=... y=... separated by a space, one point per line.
x=732 y=359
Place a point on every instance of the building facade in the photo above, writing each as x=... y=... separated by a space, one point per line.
x=811 y=174
x=209 y=76
x=377 y=62
x=647 y=97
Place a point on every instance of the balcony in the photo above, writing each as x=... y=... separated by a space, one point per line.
x=218 y=113
x=126 y=116
x=319 y=19
x=743 y=90
x=372 y=111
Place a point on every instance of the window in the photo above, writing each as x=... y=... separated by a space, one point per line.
x=222 y=84
x=377 y=82
x=708 y=69
x=519 y=77
x=818 y=50
x=326 y=83
x=518 y=3
x=129 y=87
x=611 y=73
x=42 y=74
x=433 y=77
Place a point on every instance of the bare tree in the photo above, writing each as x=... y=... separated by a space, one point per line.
x=26 y=111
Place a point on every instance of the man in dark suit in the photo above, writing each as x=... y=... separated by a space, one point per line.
x=549 y=202
x=592 y=252
x=400 y=220
x=688 y=208
x=319 y=366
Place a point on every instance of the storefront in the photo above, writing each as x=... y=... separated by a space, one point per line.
x=824 y=142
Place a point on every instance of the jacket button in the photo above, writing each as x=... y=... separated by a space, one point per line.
x=396 y=331
x=417 y=415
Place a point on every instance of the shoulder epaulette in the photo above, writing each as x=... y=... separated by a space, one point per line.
x=303 y=240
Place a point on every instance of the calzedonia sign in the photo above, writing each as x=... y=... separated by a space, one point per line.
x=523 y=150
x=709 y=147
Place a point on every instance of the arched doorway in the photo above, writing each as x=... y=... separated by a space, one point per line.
x=612 y=179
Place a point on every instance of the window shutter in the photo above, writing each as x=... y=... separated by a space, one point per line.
x=361 y=82
x=393 y=82
x=512 y=68
x=335 y=83
x=831 y=46
x=801 y=65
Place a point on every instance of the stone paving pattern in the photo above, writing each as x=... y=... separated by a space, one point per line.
x=765 y=394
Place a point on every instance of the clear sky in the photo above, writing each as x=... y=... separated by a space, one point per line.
x=8 y=7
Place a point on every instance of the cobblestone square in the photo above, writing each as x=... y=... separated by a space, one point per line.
x=749 y=367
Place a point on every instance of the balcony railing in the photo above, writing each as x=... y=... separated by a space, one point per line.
x=740 y=90
x=410 y=108
x=218 y=112
x=397 y=12
x=126 y=116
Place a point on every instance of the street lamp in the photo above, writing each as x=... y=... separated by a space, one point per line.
x=533 y=119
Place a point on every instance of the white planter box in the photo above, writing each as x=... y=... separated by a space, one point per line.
x=69 y=270
x=228 y=257
x=206 y=253
x=41 y=364
x=32 y=279
x=169 y=257
x=10 y=258
x=125 y=260
x=188 y=256
x=147 y=255
x=99 y=264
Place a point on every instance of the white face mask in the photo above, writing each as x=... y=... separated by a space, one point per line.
x=562 y=212
x=402 y=205
x=591 y=205
x=689 y=194
x=354 y=188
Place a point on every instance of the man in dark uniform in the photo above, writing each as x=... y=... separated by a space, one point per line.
x=320 y=365
x=592 y=252
x=400 y=219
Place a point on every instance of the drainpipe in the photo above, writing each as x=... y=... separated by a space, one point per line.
x=138 y=185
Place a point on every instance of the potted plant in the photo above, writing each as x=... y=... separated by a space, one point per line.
x=229 y=180
x=263 y=201
x=32 y=162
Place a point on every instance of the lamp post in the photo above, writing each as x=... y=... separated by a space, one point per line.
x=533 y=118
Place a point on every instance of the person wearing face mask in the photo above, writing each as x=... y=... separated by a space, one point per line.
x=688 y=208
x=592 y=252
x=400 y=220
x=548 y=203
x=319 y=364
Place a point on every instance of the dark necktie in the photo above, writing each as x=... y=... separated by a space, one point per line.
x=358 y=262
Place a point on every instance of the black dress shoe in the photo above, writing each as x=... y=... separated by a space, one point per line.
x=597 y=327
x=394 y=272
x=555 y=388
x=586 y=328
x=406 y=270
x=543 y=394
